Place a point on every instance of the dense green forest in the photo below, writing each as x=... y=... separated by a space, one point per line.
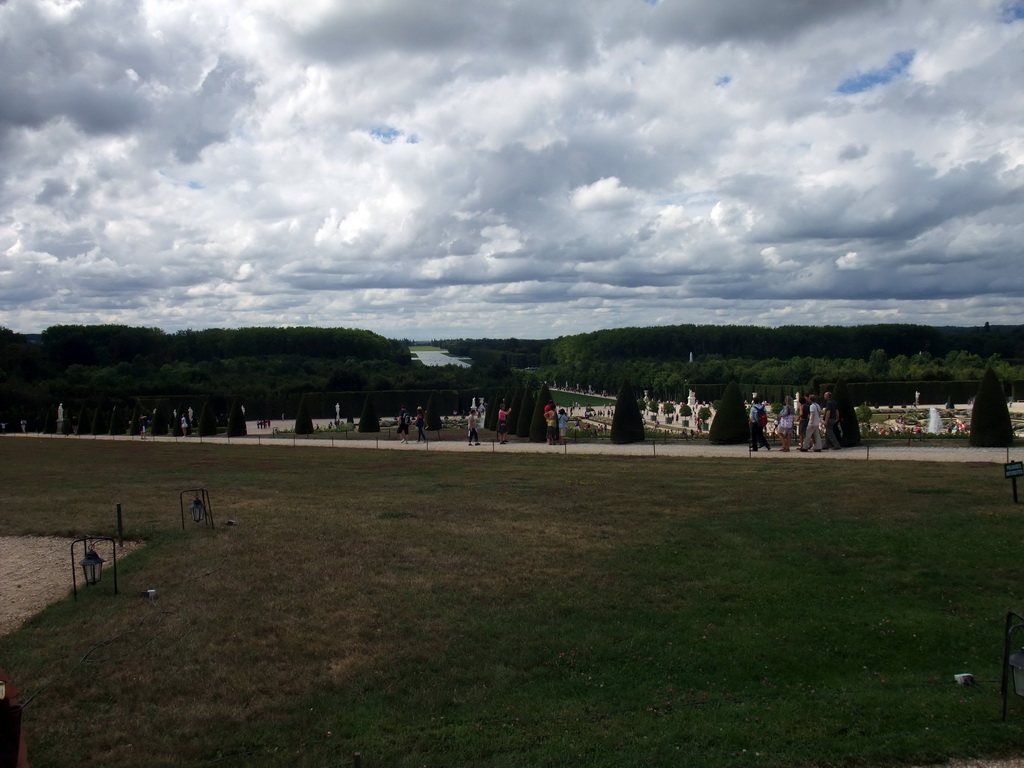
x=102 y=366
x=668 y=361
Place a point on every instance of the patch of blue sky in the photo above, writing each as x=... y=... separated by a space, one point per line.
x=385 y=133
x=865 y=81
x=652 y=2
x=723 y=81
x=191 y=183
x=413 y=139
x=1012 y=11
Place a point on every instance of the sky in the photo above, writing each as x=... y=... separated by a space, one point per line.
x=527 y=169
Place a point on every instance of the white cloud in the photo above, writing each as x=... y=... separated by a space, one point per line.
x=849 y=260
x=528 y=170
x=602 y=195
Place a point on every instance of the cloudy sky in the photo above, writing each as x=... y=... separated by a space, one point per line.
x=510 y=168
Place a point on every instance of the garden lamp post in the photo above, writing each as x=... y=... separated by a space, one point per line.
x=199 y=509
x=91 y=563
x=1013 y=665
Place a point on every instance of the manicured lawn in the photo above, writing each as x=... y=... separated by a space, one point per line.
x=449 y=609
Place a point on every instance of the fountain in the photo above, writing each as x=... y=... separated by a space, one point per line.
x=934 y=421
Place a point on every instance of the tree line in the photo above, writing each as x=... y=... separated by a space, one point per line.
x=106 y=365
x=667 y=362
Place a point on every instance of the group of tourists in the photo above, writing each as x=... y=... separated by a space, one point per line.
x=810 y=420
x=556 y=424
x=405 y=418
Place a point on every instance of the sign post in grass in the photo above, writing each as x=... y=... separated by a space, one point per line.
x=1013 y=470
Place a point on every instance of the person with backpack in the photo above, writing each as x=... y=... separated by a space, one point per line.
x=403 y=425
x=758 y=422
x=471 y=423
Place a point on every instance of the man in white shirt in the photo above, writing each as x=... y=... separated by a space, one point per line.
x=813 y=436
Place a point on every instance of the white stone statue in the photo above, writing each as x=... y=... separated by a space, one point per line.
x=337 y=411
x=60 y=412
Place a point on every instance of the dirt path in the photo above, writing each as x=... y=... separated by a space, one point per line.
x=37 y=572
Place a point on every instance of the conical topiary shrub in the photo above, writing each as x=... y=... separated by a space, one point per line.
x=491 y=416
x=515 y=405
x=524 y=417
x=433 y=416
x=117 y=425
x=368 y=421
x=160 y=421
x=849 y=422
x=100 y=423
x=990 y=416
x=50 y=422
x=176 y=429
x=236 y=421
x=627 y=422
x=66 y=426
x=303 y=421
x=134 y=426
x=538 y=424
x=207 y=421
x=84 y=420
x=730 y=425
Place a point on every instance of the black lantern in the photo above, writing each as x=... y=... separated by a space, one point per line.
x=199 y=509
x=91 y=563
x=92 y=567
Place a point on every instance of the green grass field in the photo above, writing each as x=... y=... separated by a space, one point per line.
x=446 y=609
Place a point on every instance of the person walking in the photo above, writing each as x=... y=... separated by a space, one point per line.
x=831 y=419
x=403 y=425
x=563 y=425
x=758 y=421
x=471 y=423
x=421 y=423
x=803 y=413
x=813 y=437
x=786 y=416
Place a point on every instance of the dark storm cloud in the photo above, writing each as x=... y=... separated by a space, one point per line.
x=73 y=68
x=712 y=22
x=537 y=30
